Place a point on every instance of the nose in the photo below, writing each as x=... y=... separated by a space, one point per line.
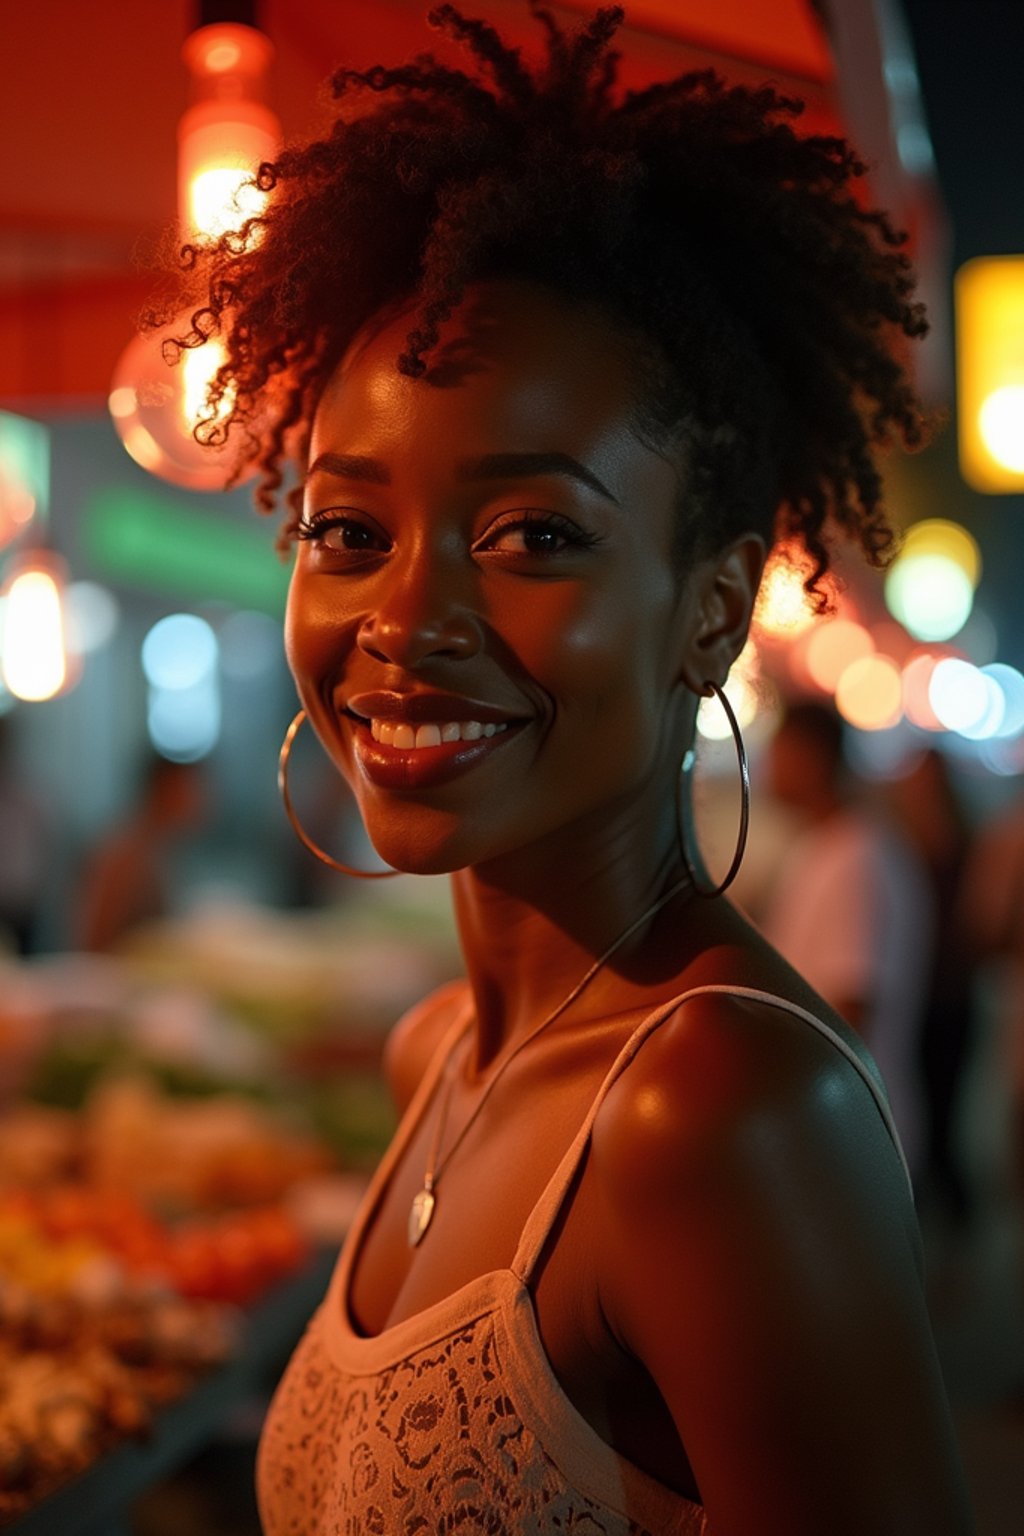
x=420 y=617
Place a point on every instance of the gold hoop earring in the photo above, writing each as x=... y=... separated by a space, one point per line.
x=297 y=827
x=741 y=840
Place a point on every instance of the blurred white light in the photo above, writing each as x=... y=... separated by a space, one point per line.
x=1011 y=682
x=1001 y=423
x=184 y=723
x=92 y=615
x=959 y=694
x=250 y=645
x=712 y=720
x=179 y=652
x=929 y=594
x=32 y=646
x=991 y=721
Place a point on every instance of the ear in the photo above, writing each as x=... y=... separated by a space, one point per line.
x=721 y=600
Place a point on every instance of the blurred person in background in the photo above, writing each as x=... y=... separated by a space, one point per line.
x=926 y=807
x=26 y=835
x=851 y=908
x=126 y=879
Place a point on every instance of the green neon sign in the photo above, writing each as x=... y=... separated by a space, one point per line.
x=155 y=543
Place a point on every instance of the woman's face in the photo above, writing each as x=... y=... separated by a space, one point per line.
x=484 y=617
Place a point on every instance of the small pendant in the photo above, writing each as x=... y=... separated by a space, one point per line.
x=420 y=1215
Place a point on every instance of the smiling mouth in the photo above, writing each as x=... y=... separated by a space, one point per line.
x=411 y=738
x=405 y=755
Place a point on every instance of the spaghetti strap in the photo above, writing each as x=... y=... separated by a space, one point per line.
x=545 y=1212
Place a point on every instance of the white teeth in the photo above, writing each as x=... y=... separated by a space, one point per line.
x=410 y=737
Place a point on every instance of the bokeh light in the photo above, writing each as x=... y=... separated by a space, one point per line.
x=833 y=647
x=34 y=658
x=930 y=586
x=959 y=694
x=184 y=723
x=179 y=652
x=929 y=594
x=1001 y=423
x=869 y=693
x=783 y=609
x=1011 y=684
x=742 y=689
x=917 y=675
x=942 y=536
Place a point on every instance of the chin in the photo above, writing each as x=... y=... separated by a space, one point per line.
x=418 y=851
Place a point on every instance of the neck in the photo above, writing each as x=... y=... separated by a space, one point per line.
x=532 y=925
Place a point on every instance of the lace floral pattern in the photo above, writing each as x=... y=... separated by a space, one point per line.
x=430 y=1444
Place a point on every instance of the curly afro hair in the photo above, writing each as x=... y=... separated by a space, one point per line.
x=766 y=300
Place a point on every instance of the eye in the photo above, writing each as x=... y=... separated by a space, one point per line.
x=536 y=535
x=343 y=533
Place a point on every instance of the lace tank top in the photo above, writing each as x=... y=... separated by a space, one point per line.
x=453 y=1421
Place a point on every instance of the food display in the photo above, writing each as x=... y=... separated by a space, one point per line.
x=150 y=1196
x=123 y=1266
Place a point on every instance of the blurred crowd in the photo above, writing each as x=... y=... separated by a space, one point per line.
x=907 y=914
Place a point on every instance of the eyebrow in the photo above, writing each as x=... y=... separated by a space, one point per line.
x=492 y=466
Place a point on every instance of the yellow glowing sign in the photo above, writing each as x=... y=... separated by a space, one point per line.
x=989 y=295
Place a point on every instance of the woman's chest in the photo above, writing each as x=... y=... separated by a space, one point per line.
x=498 y=1201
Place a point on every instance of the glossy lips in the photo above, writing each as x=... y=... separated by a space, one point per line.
x=414 y=740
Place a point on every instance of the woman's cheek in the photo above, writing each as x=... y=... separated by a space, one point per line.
x=313 y=636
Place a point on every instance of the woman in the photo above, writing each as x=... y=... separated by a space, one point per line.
x=643 y=1256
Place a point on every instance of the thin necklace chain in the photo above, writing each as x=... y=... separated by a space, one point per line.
x=435 y=1169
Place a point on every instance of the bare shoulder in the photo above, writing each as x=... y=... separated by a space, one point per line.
x=728 y=1077
x=412 y=1042
x=758 y=1253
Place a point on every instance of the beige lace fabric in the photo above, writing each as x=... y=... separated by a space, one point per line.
x=452 y=1422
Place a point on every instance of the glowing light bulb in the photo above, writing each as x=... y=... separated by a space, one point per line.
x=227 y=131
x=222 y=198
x=155 y=408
